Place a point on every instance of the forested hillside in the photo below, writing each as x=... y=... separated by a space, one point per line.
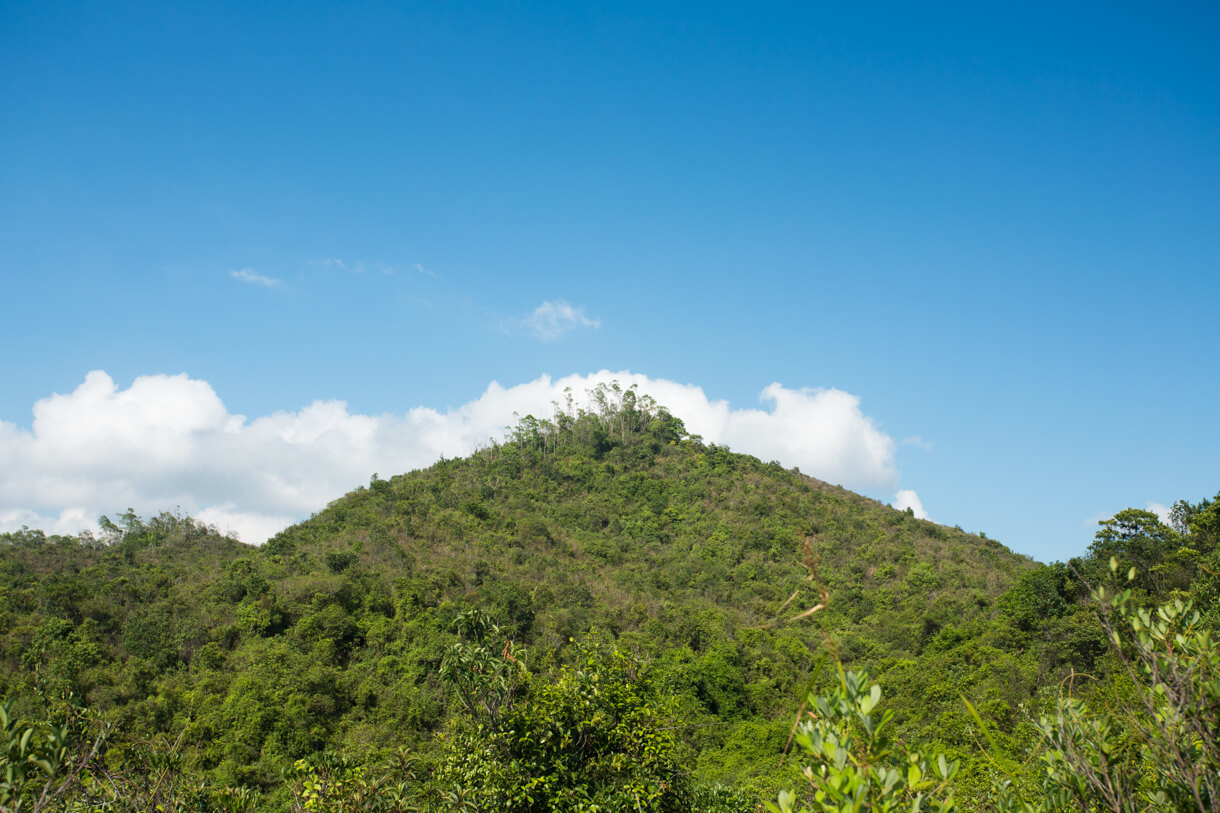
x=685 y=597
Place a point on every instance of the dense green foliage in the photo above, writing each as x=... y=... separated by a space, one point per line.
x=462 y=612
x=594 y=738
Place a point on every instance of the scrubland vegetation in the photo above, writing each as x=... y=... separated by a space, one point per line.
x=605 y=613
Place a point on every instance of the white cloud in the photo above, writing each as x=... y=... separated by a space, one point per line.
x=168 y=441
x=69 y=521
x=356 y=266
x=250 y=276
x=550 y=320
x=247 y=526
x=332 y=262
x=918 y=443
x=1162 y=511
x=1096 y=519
x=907 y=498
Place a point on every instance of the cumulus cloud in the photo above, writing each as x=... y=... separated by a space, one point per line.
x=168 y=441
x=254 y=278
x=550 y=320
x=909 y=499
x=1162 y=511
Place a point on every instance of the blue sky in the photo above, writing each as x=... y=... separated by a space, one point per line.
x=996 y=229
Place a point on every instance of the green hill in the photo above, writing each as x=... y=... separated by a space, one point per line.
x=620 y=523
x=610 y=524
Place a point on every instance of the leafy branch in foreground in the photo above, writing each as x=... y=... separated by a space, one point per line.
x=1157 y=750
x=854 y=767
x=38 y=764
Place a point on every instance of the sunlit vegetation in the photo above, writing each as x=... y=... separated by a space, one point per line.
x=603 y=612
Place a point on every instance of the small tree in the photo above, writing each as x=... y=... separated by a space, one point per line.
x=594 y=739
x=485 y=672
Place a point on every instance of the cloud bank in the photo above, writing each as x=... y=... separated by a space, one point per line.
x=168 y=441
